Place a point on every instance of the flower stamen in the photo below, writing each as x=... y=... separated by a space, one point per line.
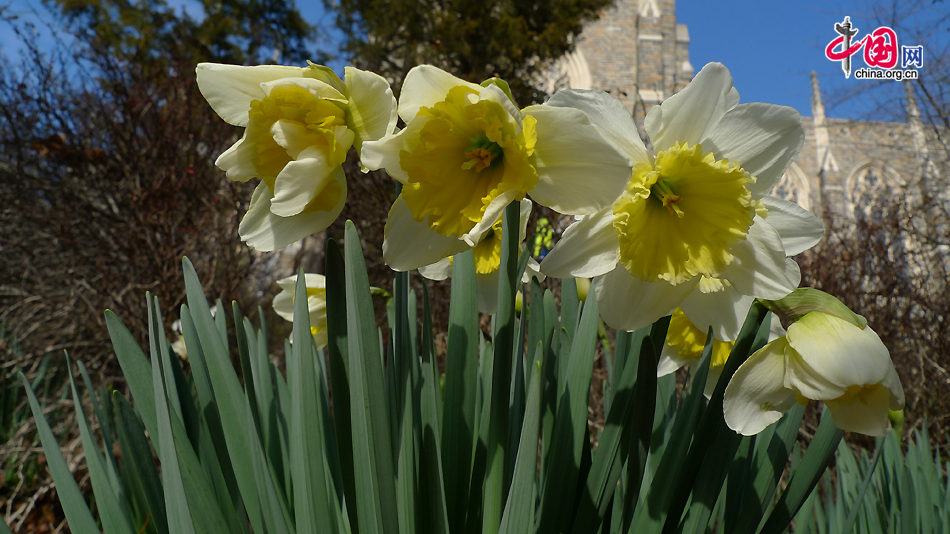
x=662 y=191
x=482 y=154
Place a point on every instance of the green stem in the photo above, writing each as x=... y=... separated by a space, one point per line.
x=497 y=483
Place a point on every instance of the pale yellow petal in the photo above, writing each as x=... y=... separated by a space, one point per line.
x=756 y=395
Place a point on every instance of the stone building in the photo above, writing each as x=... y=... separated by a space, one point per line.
x=639 y=53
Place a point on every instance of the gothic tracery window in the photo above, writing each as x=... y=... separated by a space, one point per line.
x=793 y=187
x=870 y=194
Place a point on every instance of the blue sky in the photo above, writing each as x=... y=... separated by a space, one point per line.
x=770 y=47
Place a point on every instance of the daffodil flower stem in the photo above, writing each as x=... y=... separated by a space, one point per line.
x=820 y=451
x=712 y=420
x=499 y=475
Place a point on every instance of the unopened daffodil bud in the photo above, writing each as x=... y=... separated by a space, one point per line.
x=583 y=288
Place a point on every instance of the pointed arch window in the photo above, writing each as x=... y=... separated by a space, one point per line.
x=794 y=187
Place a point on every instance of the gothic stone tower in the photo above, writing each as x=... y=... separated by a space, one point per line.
x=635 y=51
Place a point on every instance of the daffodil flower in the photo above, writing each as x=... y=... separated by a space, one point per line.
x=487 y=260
x=823 y=358
x=316 y=303
x=694 y=216
x=685 y=343
x=300 y=124
x=467 y=152
x=179 y=344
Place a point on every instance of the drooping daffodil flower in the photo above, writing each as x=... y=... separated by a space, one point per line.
x=824 y=358
x=695 y=217
x=684 y=346
x=178 y=346
x=487 y=261
x=467 y=152
x=316 y=303
x=300 y=123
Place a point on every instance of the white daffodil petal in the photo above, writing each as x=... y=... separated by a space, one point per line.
x=775 y=328
x=486 y=287
x=724 y=310
x=578 y=172
x=832 y=355
x=686 y=116
x=287 y=284
x=793 y=272
x=759 y=267
x=300 y=181
x=371 y=112
x=311 y=280
x=316 y=303
x=612 y=119
x=628 y=303
x=893 y=383
x=321 y=338
x=264 y=230
x=315 y=281
x=526 y=206
x=763 y=138
x=238 y=161
x=866 y=414
x=756 y=396
x=493 y=212
x=588 y=248
x=799 y=228
x=439 y=270
x=426 y=85
x=384 y=153
x=284 y=304
x=533 y=270
x=409 y=244
x=807 y=380
x=670 y=361
x=229 y=89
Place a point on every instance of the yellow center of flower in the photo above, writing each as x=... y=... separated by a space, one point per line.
x=469 y=152
x=688 y=340
x=679 y=218
x=290 y=120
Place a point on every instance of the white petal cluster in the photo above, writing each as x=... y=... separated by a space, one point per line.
x=560 y=160
x=300 y=124
x=316 y=303
x=823 y=358
x=761 y=138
